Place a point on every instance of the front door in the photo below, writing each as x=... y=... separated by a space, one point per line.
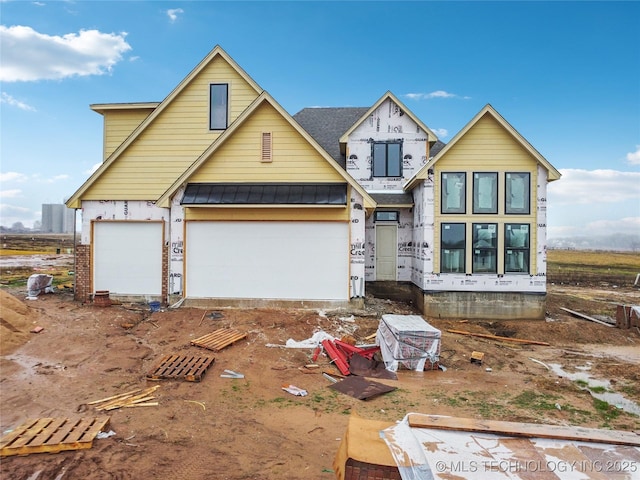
x=386 y=251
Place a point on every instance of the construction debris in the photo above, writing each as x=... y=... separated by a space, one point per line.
x=495 y=337
x=477 y=357
x=219 y=339
x=134 y=398
x=586 y=317
x=52 y=435
x=182 y=367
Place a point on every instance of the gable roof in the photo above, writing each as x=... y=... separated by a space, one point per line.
x=432 y=137
x=264 y=97
x=327 y=124
x=73 y=201
x=487 y=110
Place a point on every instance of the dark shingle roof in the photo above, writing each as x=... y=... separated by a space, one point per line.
x=392 y=199
x=326 y=126
x=436 y=148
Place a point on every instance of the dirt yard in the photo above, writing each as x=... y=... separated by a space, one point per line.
x=250 y=428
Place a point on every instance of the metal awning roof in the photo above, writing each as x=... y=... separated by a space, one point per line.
x=265 y=194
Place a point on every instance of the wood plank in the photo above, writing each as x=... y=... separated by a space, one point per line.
x=496 y=337
x=586 y=317
x=530 y=430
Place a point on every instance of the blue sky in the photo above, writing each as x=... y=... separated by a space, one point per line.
x=566 y=75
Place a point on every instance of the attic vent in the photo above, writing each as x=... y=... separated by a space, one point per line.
x=266 y=147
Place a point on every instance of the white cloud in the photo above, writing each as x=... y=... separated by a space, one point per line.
x=595 y=186
x=9 y=100
x=13 y=177
x=441 y=132
x=55 y=178
x=92 y=169
x=28 y=55
x=623 y=225
x=633 y=158
x=434 y=94
x=14 y=193
x=173 y=13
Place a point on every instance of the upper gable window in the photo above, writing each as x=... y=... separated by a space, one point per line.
x=387 y=159
x=219 y=106
x=517 y=187
x=453 y=190
x=485 y=192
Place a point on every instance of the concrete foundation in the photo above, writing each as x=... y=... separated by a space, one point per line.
x=464 y=305
x=482 y=305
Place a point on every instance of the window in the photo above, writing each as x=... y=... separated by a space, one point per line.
x=382 y=216
x=387 y=159
x=516 y=252
x=453 y=240
x=453 y=192
x=517 y=187
x=485 y=248
x=219 y=106
x=485 y=192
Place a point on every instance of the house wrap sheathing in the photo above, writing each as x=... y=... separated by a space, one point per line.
x=217 y=195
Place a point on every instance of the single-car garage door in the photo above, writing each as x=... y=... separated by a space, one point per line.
x=267 y=260
x=127 y=257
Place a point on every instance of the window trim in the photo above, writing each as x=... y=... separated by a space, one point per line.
x=481 y=251
x=526 y=208
x=215 y=127
x=446 y=250
x=493 y=209
x=525 y=249
x=462 y=209
x=386 y=159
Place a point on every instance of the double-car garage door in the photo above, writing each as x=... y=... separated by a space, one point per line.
x=267 y=260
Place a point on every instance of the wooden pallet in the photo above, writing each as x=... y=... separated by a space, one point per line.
x=181 y=367
x=219 y=339
x=52 y=435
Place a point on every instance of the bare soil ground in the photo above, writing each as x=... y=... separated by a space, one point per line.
x=249 y=428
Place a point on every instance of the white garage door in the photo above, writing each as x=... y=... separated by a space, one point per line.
x=267 y=260
x=128 y=257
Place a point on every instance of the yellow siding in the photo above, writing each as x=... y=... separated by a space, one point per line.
x=487 y=147
x=268 y=214
x=119 y=124
x=239 y=159
x=174 y=140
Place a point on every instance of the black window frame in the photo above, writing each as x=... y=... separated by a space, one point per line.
x=484 y=248
x=213 y=119
x=375 y=173
x=511 y=250
x=446 y=249
x=476 y=208
x=462 y=209
x=509 y=209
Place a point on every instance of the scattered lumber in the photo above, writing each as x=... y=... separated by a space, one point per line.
x=586 y=317
x=134 y=398
x=517 y=429
x=496 y=337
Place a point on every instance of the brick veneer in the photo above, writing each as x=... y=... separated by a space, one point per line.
x=82 y=291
